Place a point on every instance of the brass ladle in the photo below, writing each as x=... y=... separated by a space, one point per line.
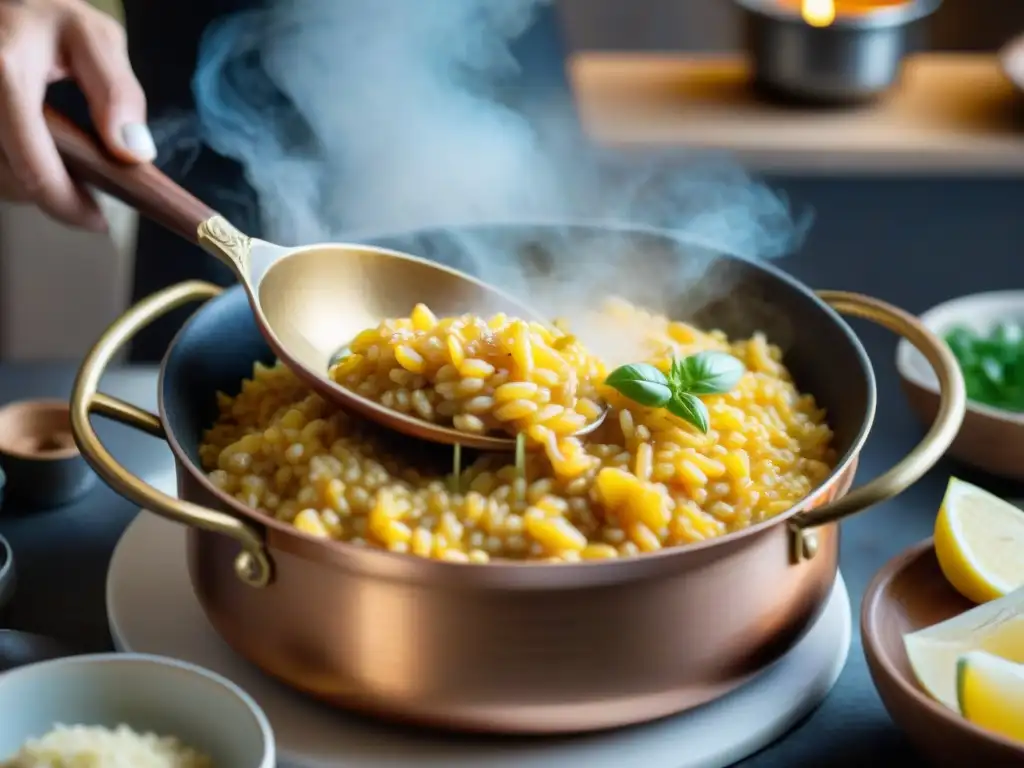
x=309 y=301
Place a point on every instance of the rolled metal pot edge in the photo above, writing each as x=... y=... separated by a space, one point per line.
x=255 y=567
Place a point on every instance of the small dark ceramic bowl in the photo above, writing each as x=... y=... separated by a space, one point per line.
x=39 y=456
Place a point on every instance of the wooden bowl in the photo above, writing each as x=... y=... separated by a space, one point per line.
x=908 y=594
x=990 y=439
x=39 y=455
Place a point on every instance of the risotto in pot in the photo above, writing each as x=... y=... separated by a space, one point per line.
x=659 y=472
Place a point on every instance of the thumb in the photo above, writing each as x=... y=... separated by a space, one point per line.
x=98 y=61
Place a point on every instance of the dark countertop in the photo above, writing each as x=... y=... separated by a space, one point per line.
x=62 y=555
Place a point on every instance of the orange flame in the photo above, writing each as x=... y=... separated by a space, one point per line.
x=818 y=13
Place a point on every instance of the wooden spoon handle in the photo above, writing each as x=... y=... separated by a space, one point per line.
x=144 y=187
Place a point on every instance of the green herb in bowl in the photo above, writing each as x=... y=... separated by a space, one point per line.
x=992 y=364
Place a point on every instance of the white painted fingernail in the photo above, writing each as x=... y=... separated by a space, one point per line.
x=139 y=141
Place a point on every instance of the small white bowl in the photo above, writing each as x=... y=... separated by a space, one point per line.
x=990 y=439
x=147 y=693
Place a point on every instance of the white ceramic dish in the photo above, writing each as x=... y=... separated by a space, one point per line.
x=147 y=693
x=990 y=439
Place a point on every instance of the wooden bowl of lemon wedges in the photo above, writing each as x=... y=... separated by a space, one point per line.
x=943 y=632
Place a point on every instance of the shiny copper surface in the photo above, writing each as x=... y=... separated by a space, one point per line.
x=615 y=649
x=508 y=647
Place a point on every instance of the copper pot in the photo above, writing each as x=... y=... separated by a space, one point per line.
x=527 y=648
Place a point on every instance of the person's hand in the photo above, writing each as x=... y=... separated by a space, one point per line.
x=41 y=42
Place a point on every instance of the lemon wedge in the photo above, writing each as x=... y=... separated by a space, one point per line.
x=979 y=541
x=990 y=691
x=996 y=627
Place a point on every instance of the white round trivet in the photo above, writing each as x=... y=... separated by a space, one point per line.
x=152 y=610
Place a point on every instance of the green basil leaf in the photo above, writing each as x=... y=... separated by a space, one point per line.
x=648 y=393
x=636 y=372
x=712 y=373
x=695 y=368
x=677 y=376
x=690 y=409
x=641 y=382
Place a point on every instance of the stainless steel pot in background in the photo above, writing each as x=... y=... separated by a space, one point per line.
x=854 y=59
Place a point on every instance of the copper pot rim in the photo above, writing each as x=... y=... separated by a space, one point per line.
x=258 y=533
x=870 y=606
x=335 y=551
x=385 y=562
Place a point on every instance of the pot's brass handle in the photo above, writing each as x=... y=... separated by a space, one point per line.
x=252 y=564
x=953 y=401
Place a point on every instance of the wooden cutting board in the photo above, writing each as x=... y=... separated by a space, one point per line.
x=951 y=113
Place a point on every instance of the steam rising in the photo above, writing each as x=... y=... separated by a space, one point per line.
x=367 y=116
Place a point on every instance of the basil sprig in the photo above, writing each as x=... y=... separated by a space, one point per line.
x=706 y=373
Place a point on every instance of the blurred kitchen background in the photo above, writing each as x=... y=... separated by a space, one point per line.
x=59 y=289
